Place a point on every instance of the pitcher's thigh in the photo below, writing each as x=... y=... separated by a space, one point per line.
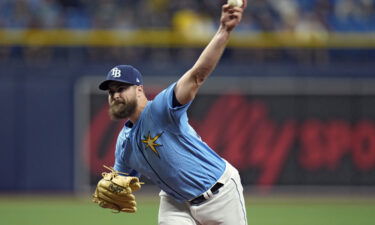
x=227 y=208
x=174 y=213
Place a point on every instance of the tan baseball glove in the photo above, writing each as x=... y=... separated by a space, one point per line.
x=114 y=191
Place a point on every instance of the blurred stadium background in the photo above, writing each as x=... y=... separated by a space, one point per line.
x=291 y=105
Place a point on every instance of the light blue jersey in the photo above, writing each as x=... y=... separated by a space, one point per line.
x=163 y=147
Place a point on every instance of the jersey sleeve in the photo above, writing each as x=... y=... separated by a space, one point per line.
x=163 y=111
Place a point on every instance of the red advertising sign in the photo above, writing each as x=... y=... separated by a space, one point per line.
x=272 y=140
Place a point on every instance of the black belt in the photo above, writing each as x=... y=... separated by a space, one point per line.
x=200 y=199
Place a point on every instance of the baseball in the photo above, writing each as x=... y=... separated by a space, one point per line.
x=236 y=3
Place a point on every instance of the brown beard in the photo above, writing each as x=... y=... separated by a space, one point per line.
x=119 y=109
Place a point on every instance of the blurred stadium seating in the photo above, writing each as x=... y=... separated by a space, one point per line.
x=328 y=31
x=265 y=15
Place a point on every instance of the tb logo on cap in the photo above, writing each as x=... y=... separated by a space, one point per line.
x=116 y=73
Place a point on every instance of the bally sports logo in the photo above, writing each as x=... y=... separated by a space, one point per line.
x=272 y=140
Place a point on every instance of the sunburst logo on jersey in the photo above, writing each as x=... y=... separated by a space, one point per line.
x=150 y=142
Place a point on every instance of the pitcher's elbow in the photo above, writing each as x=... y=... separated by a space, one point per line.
x=201 y=74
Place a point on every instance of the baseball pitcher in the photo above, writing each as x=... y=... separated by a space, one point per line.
x=198 y=187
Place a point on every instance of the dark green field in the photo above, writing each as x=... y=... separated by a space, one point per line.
x=269 y=210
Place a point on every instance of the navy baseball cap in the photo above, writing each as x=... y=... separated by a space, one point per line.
x=124 y=74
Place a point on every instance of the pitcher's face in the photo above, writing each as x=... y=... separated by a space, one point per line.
x=122 y=100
